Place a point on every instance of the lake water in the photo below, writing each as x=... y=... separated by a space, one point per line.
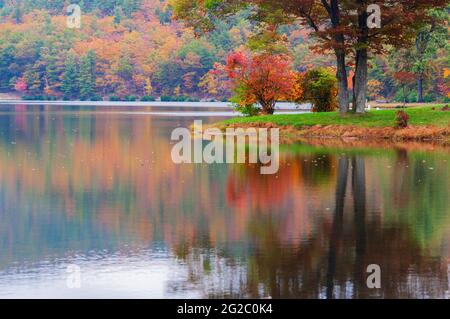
x=95 y=191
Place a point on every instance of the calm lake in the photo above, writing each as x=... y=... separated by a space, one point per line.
x=96 y=189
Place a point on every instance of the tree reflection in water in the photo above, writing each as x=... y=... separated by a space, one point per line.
x=76 y=183
x=332 y=261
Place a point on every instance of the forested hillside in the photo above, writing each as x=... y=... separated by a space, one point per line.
x=132 y=49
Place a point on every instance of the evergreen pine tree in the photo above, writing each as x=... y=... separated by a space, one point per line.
x=87 y=76
x=130 y=6
x=69 y=85
x=117 y=15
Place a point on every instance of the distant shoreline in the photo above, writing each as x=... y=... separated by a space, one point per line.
x=116 y=103
x=4 y=100
x=221 y=105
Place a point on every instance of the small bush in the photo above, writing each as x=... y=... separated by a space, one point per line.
x=402 y=119
x=429 y=98
x=406 y=97
x=131 y=98
x=248 y=110
x=39 y=97
x=182 y=98
x=31 y=97
x=96 y=98
x=319 y=86
x=114 y=98
x=147 y=98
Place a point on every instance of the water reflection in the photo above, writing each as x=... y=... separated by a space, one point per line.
x=100 y=190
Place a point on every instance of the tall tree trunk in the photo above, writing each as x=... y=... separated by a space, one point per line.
x=341 y=75
x=334 y=12
x=361 y=72
x=360 y=80
x=268 y=108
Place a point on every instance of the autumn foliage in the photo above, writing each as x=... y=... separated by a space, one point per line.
x=131 y=49
x=402 y=119
x=21 y=85
x=260 y=78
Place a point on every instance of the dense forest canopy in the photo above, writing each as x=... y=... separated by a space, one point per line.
x=127 y=49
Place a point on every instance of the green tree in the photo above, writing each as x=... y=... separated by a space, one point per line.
x=118 y=14
x=70 y=83
x=7 y=59
x=87 y=75
x=130 y=6
x=164 y=16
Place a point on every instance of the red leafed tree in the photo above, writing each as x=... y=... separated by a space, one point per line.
x=261 y=78
x=21 y=85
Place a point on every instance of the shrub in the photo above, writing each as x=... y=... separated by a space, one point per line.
x=39 y=97
x=114 y=98
x=147 y=98
x=402 y=119
x=248 y=110
x=406 y=97
x=181 y=98
x=96 y=98
x=319 y=87
x=131 y=98
x=428 y=98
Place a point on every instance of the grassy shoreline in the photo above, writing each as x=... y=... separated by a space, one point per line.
x=426 y=123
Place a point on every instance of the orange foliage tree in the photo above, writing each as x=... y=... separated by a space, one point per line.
x=260 y=78
x=21 y=85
